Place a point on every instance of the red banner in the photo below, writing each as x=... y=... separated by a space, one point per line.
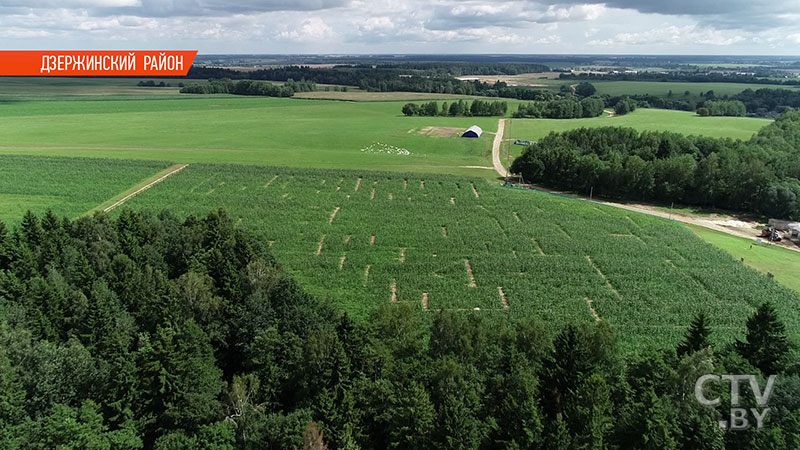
x=147 y=63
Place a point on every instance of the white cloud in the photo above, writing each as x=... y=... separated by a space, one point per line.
x=673 y=35
x=375 y=25
x=313 y=29
x=575 y=13
x=22 y=33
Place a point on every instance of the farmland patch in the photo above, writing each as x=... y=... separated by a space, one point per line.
x=519 y=253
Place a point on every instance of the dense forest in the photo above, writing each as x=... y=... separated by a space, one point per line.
x=249 y=87
x=150 y=331
x=760 y=176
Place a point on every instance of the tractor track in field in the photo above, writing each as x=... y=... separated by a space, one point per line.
x=163 y=175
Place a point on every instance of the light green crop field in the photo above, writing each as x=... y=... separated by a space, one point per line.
x=783 y=263
x=67 y=186
x=264 y=131
x=362 y=239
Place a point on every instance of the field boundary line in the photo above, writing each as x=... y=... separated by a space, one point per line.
x=141 y=187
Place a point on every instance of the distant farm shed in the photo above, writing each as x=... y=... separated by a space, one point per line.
x=473 y=132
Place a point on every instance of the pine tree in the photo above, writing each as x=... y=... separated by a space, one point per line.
x=765 y=345
x=697 y=337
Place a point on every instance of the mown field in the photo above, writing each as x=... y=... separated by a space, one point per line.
x=67 y=186
x=290 y=132
x=439 y=242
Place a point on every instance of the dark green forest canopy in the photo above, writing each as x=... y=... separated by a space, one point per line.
x=759 y=176
x=150 y=331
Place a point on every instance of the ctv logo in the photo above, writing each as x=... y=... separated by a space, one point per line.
x=739 y=417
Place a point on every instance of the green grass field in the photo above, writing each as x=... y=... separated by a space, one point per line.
x=262 y=131
x=290 y=132
x=783 y=263
x=548 y=254
x=68 y=186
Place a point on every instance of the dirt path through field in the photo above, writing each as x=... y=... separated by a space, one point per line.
x=145 y=185
x=498 y=139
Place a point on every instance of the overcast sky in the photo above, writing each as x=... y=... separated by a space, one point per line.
x=754 y=27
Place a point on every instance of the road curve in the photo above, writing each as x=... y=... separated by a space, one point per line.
x=498 y=138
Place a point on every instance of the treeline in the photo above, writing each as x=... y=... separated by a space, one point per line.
x=155 y=332
x=387 y=78
x=765 y=102
x=733 y=108
x=457 y=69
x=250 y=87
x=570 y=108
x=688 y=76
x=152 y=83
x=759 y=176
x=460 y=108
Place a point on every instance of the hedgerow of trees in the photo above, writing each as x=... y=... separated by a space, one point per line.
x=250 y=87
x=151 y=331
x=460 y=108
x=733 y=108
x=759 y=176
x=569 y=108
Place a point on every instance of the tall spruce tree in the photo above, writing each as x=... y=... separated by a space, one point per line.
x=765 y=345
x=697 y=337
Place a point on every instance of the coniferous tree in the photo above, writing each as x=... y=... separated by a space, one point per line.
x=697 y=337
x=765 y=345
